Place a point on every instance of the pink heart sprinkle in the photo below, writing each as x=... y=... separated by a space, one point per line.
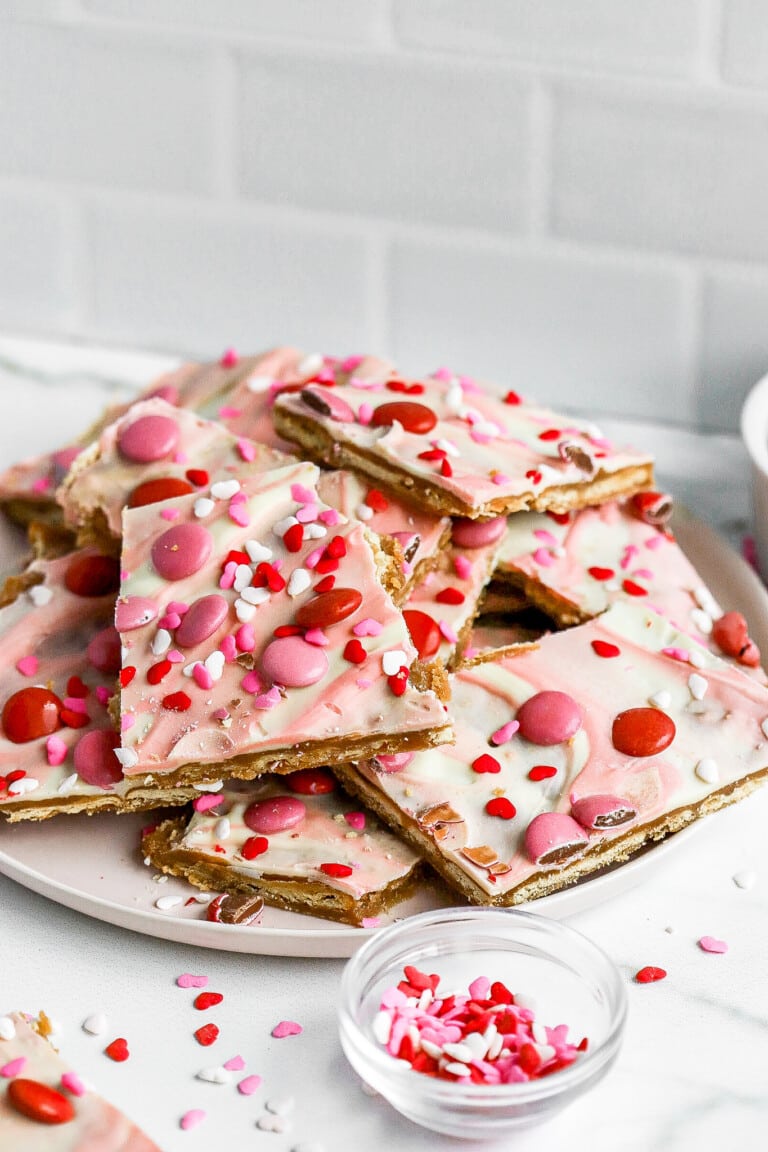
x=506 y=732
x=205 y=803
x=56 y=751
x=355 y=820
x=302 y=495
x=202 y=677
x=317 y=637
x=286 y=1028
x=368 y=627
x=169 y=514
x=371 y=921
x=238 y=514
x=247 y=450
x=251 y=682
x=180 y=458
x=480 y=988
x=28 y=665
x=72 y=1082
x=227 y=412
x=187 y=980
x=463 y=567
x=127 y=720
x=710 y=944
x=249 y=1085
x=235 y=1064
x=447 y=632
x=192 y=1118
x=13 y=1067
x=329 y=516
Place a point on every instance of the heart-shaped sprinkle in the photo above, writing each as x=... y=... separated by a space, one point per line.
x=502 y=807
x=249 y=1085
x=711 y=944
x=192 y=1119
x=604 y=649
x=234 y=1064
x=117 y=1050
x=207 y=1000
x=206 y=1035
x=13 y=1067
x=486 y=763
x=649 y=975
x=286 y=1028
x=95 y=1025
x=72 y=1082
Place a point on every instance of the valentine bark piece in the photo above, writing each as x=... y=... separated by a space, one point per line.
x=276 y=585
x=153 y=453
x=317 y=854
x=27 y=489
x=457 y=449
x=441 y=609
x=595 y=757
x=44 y=1104
x=575 y=566
x=59 y=752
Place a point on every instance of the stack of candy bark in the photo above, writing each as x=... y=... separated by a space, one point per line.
x=349 y=623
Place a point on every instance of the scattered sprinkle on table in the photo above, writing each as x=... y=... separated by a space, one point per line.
x=711 y=944
x=286 y=1028
x=649 y=975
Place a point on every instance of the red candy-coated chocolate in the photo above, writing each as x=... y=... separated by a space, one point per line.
x=154 y=491
x=413 y=417
x=649 y=975
x=477 y=533
x=31 y=713
x=424 y=632
x=329 y=608
x=731 y=635
x=311 y=781
x=549 y=718
x=103 y=651
x=92 y=575
x=651 y=507
x=604 y=649
x=39 y=1102
x=642 y=732
x=293 y=663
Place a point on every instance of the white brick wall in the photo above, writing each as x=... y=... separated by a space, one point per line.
x=565 y=195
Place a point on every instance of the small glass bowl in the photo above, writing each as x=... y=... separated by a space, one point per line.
x=568 y=978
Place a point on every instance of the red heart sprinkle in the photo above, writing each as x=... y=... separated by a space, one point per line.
x=432 y=454
x=157 y=672
x=293 y=538
x=117 y=1050
x=450 y=596
x=234 y=557
x=446 y=468
x=512 y=398
x=74 y=719
x=633 y=589
x=486 y=763
x=377 y=500
x=326 y=564
x=649 y=975
x=177 y=702
x=534 y=475
x=339 y=870
x=126 y=675
x=206 y=1035
x=287 y=630
x=197 y=476
x=398 y=682
x=254 y=846
x=501 y=994
x=354 y=652
x=75 y=687
x=325 y=585
x=207 y=1000
x=550 y=434
x=336 y=548
x=559 y=517
x=502 y=807
x=542 y=772
x=604 y=649
x=601 y=573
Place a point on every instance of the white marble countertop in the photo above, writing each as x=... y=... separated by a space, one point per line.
x=691 y=1074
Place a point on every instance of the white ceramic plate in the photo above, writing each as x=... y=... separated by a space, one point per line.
x=92 y=864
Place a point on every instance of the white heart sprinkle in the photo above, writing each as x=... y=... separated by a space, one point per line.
x=128 y=757
x=661 y=699
x=244 y=612
x=217 y=1075
x=433 y=1050
x=697 y=686
x=496 y=1045
x=161 y=641
x=447 y=446
x=283 y=525
x=280 y=1105
x=255 y=595
x=457 y=1069
x=269 y=1123
x=381 y=1026
x=216 y=786
x=7 y=1028
x=67 y=785
x=299 y=582
x=259 y=553
x=225 y=489
x=96 y=1024
x=314 y=531
x=203 y=507
x=392 y=662
x=40 y=595
x=745 y=879
x=258 y=383
x=215 y=665
x=702 y=620
x=165 y=903
x=546 y=1051
x=707 y=602
x=243 y=577
x=222 y=828
x=26 y=784
x=708 y=771
x=363 y=512
x=310 y=365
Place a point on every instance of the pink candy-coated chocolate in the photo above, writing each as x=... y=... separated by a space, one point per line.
x=394 y=762
x=478 y=533
x=549 y=718
x=201 y=621
x=104 y=651
x=337 y=409
x=181 y=551
x=293 y=663
x=595 y=812
x=134 y=612
x=268 y=817
x=147 y=439
x=95 y=760
x=553 y=832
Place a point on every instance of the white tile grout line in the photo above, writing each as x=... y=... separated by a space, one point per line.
x=541 y=124
x=690 y=334
x=225 y=123
x=711 y=32
x=379 y=292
